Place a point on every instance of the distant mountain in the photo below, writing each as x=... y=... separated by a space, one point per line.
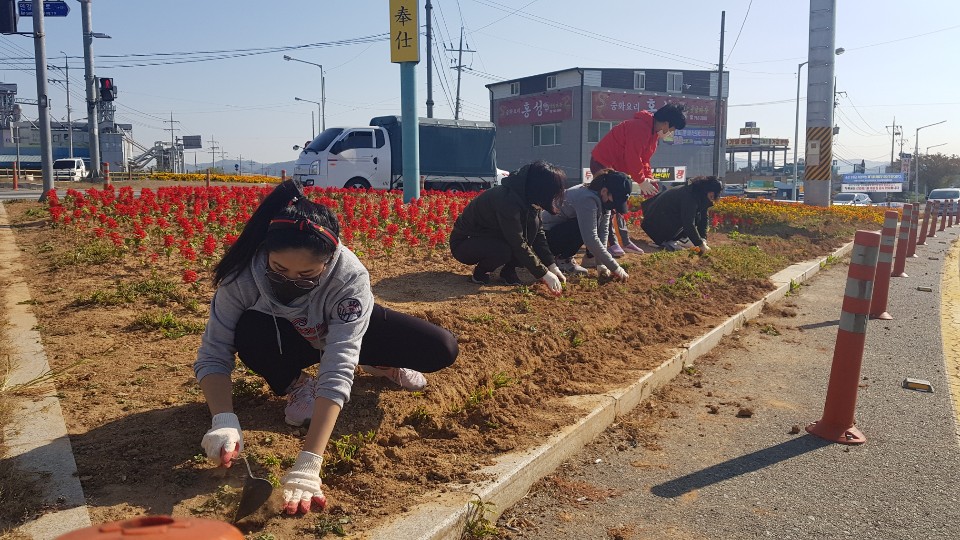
x=230 y=166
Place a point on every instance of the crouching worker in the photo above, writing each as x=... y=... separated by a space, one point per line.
x=681 y=212
x=583 y=220
x=289 y=296
x=501 y=227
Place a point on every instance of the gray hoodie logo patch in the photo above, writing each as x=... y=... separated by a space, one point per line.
x=349 y=309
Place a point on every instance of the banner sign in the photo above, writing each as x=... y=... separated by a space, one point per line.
x=697 y=137
x=872 y=178
x=872 y=187
x=678 y=173
x=536 y=108
x=619 y=106
x=756 y=141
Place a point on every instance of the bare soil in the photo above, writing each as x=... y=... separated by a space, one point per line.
x=135 y=413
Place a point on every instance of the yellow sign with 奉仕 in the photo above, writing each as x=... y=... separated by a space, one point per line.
x=404 y=31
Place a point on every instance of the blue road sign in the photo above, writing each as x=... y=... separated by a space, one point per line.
x=53 y=8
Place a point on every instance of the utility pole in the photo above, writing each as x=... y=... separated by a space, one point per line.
x=240 y=165
x=459 y=67
x=43 y=101
x=718 y=135
x=894 y=131
x=93 y=126
x=820 y=91
x=173 y=142
x=429 y=10
x=213 y=154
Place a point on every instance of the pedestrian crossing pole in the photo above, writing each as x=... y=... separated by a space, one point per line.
x=405 y=50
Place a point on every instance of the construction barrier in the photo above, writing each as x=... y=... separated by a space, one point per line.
x=944 y=210
x=935 y=210
x=837 y=423
x=881 y=282
x=912 y=248
x=922 y=236
x=903 y=242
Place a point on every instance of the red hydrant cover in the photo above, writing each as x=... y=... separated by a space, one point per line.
x=158 y=528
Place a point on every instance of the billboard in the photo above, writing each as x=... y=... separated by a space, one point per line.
x=536 y=108
x=620 y=106
x=678 y=173
x=191 y=141
x=873 y=182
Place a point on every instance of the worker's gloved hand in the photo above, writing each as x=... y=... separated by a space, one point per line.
x=620 y=274
x=603 y=271
x=556 y=271
x=301 y=485
x=649 y=188
x=703 y=248
x=223 y=442
x=552 y=282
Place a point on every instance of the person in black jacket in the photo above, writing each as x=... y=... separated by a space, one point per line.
x=681 y=212
x=501 y=227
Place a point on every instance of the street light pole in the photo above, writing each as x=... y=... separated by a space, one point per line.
x=916 y=157
x=323 y=91
x=319 y=108
x=796 y=134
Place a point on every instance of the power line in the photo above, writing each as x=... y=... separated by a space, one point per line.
x=750 y=5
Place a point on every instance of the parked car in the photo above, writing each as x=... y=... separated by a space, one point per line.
x=852 y=199
x=73 y=169
x=732 y=190
x=950 y=196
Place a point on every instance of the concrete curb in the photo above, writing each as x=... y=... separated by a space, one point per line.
x=445 y=517
x=950 y=326
x=37 y=437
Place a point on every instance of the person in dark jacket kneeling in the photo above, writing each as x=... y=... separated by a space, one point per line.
x=681 y=212
x=501 y=227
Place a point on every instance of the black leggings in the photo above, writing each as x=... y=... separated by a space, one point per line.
x=487 y=253
x=565 y=239
x=393 y=339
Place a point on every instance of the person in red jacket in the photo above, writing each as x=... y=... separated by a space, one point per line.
x=628 y=148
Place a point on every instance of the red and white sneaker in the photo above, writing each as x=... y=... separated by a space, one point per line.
x=407 y=379
x=300 y=398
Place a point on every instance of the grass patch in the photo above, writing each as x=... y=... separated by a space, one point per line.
x=686 y=284
x=169 y=325
x=345 y=449
x=96 y=252
x=476 y=524
x=155 y=290
x=745 y=262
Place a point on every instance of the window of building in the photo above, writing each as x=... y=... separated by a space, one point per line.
x=639 y=80
x=674 y=81
x=551 y=81
x=514 y=89
x=596 y=130
x=546 y=135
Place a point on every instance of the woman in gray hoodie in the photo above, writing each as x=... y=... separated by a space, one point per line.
x=290 y=296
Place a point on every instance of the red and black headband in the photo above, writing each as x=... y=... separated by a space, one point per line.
x=304 y=225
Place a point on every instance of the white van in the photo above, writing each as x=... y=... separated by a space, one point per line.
x=949 y=197
x=72 y=169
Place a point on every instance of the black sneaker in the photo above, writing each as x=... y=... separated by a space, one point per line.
x=509 y=275
x=480 y=278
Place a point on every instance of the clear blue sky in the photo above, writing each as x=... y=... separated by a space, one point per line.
x=900 y=61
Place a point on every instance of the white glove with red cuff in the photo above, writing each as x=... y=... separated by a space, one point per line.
x=301 y=485
x=223 y=442
x=620 y=274
x=603 y=271
x=556 y=271
x=552 y=282
x=649 y=188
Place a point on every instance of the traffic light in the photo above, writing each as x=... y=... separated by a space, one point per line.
x=108 y=92
x=8 y=17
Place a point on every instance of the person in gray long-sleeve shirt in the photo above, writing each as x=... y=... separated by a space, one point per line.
x=582 y=220
x=289 y=296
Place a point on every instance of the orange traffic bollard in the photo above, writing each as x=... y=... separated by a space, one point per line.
x=922 y=234
x=881 y=282
x=159 y=528
x=106 y=172
x=934 y=212
x=914 y=222
x=956 y=216
x=283 y=175
x=903 y=242
x=208 y=178
x=837 y=423
x=943 y=215
x=950 y=212
x=16 y=175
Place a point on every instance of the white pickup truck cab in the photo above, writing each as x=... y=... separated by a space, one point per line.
x=70 y=169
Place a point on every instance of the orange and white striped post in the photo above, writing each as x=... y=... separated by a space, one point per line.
x=922 y=236
x=207 y=180
x=956 y=217
x=837 y=423
x=944 y=210
x=914 y=221
x=881 y=282
x=105 y=167
x=934 y=211
x=903 y=242
x=951 y=211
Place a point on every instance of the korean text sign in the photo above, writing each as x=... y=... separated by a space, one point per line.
x=404 y=31
x=536 y=108
x=620 y=106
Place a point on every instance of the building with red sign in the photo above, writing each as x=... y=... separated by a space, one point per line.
x=560 y=116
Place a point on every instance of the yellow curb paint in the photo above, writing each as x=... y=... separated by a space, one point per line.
x=950 y=327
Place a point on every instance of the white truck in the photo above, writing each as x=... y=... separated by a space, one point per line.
x=70 y=169
x=455 y=155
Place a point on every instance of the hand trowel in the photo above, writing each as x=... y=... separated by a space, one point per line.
x=256 y=492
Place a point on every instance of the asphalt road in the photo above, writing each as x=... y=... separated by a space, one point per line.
x=685 y=466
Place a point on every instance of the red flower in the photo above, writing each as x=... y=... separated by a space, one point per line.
x=190 y=276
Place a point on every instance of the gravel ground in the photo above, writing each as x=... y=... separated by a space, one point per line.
x=685 y=465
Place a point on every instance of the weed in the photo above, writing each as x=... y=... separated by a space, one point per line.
x=501 y=380
x=686 y=284
x=574 y=336
x=524 y=306
x=829 y=261
x=478 y=396
x=168 y=324
x=481 y=318
x=264 y=536
x=690 y=370
x=769 y=330
x=267 y=460
x=417 y=417
x=328 y=524
x=476 y=523
x=794 y=288
x=223 y=499
x=96 y=252
x=247 y=388
x=347 y=447
x=157 y=291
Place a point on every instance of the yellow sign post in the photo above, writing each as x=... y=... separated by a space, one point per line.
x=404 y=31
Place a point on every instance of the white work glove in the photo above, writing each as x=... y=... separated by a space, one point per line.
x=620 y=274
x=301 y=485
x=556 y=271
x=703 y=248
x=603 y=271
x=223 y=442
x=649 y=188
x=552 y=282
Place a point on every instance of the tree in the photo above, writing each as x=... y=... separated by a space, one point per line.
x=939 y=170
